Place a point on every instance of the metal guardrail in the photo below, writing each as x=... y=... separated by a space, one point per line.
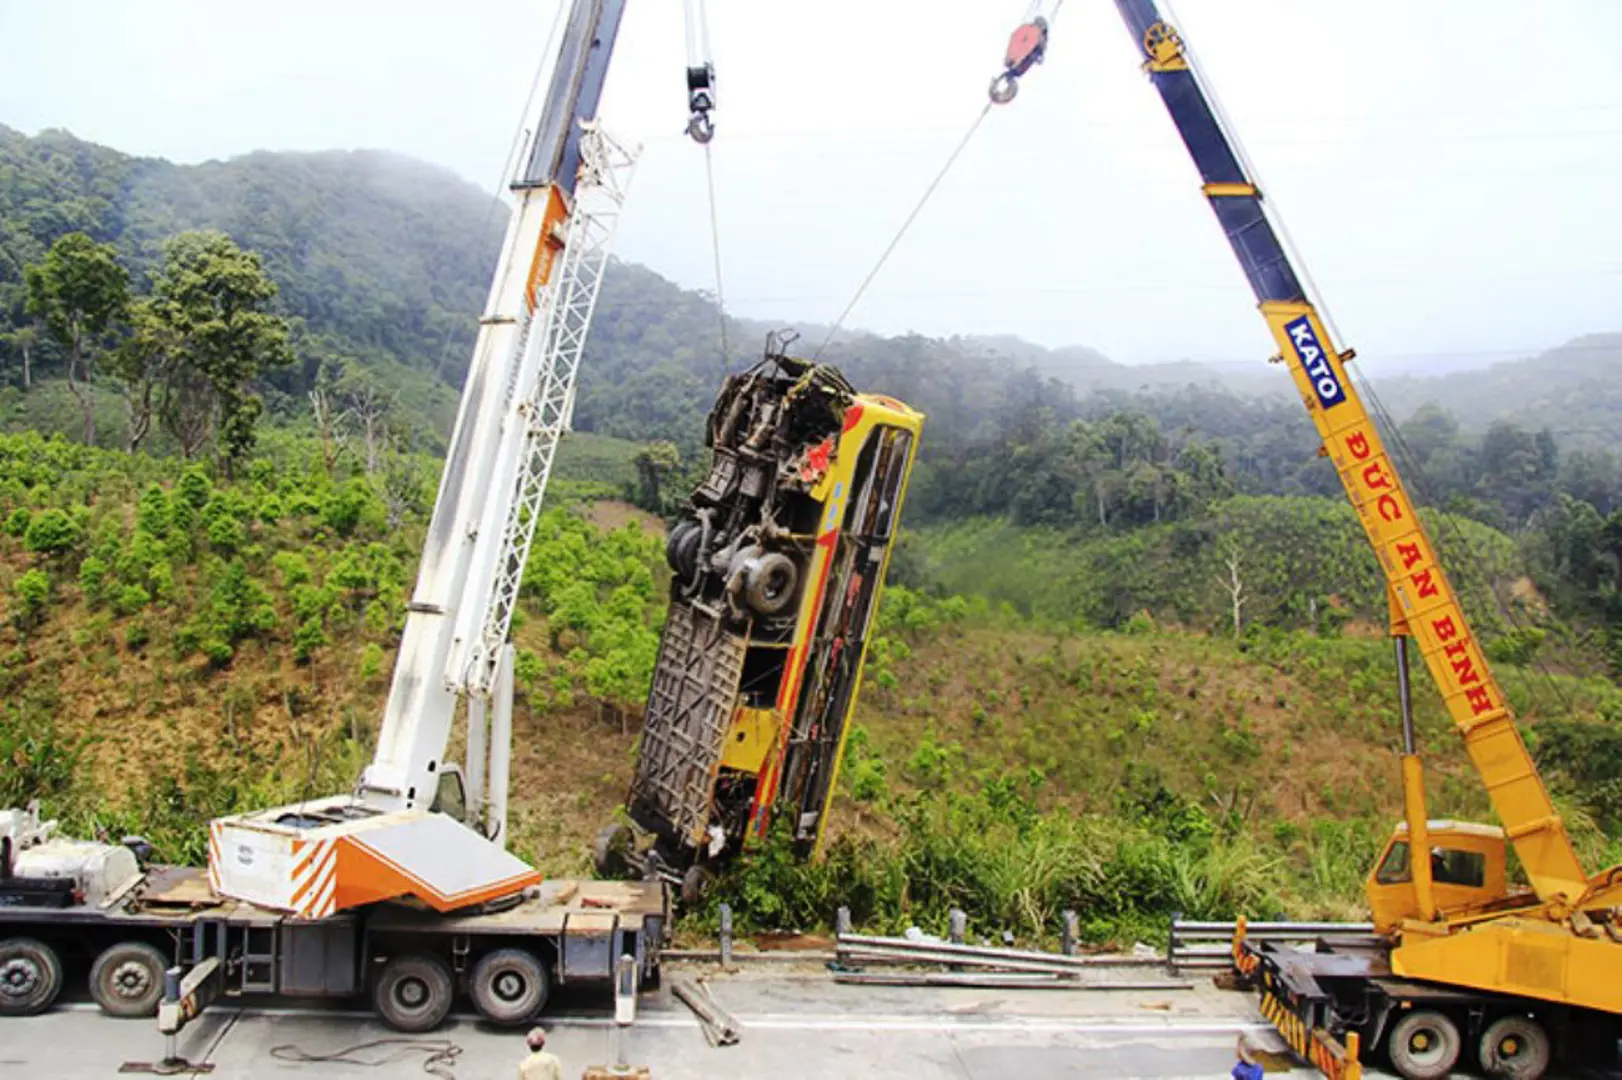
x=1194 y=946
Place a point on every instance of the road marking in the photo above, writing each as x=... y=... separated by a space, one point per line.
x=1090 y=1025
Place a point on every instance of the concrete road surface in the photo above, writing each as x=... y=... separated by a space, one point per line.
x=793 y=1025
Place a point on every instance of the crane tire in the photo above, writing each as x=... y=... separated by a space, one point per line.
x=127 y=979
x=413 y=993
x=1424 y=1045
x=1514 y=1048
x=509 y=987
x=30 y=976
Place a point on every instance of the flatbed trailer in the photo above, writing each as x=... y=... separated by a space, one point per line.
x=1340 y=1003
x=412 y=963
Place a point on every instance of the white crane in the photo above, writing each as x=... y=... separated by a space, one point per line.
x=415 y=825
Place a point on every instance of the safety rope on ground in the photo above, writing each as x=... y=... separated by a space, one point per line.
x=905 y=225
x=439 y=1055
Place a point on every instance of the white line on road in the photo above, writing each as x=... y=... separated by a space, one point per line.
x=1086 y=1025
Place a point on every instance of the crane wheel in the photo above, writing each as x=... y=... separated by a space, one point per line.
x=1424 y=1045
x=509 y=987
x=413 y=993
x=127 y=979
x=1514 y=1048
x=30 y=976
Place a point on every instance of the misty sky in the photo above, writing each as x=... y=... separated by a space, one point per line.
x=1449 y=169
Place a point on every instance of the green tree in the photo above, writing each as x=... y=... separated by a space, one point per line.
x=142 y=364
x=214 y=299
x=655 y=463
x=78 y=291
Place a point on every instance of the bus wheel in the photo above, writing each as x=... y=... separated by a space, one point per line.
x=1514 y=1048
x=413 y=993
x=1424 y=1045
x=611 y=851
x=509 y=986
x=30 y=976
x=127 y=979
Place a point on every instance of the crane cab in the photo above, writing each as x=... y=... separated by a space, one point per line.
x=1468 y=864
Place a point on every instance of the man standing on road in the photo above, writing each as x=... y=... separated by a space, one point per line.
x=1246 y=1068
x=539 y=1065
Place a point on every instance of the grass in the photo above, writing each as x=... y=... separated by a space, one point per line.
x=1011 y=764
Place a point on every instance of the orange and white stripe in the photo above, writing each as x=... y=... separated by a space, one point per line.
x=315 y=878
x=214 y=828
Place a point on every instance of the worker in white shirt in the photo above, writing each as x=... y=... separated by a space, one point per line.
x=539 y=1065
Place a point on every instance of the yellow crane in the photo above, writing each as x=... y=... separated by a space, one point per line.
x=1462 y=955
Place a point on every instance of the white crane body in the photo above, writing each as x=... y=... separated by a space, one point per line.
x=413 y=826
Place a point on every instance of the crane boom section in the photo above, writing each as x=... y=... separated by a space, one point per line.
x=1406 y=555
x=514 y=406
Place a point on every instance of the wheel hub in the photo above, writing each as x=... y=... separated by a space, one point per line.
x=132 y=980
x=19 y=978
x=509 y=986
x=412 y=993
x=1509 y=1047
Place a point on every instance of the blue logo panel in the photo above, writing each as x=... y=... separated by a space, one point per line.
x=1314 y=360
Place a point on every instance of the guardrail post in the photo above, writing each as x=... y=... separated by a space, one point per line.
x=842 y=921
x=726 y=935
x=1067 y=937
x=957 y=926
x=1171 y=943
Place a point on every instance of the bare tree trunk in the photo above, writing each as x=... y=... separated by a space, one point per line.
x=82 y=393
x=28 y=366
x=1233 y=560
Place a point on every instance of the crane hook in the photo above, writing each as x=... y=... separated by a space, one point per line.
x=701 y=99
x=1027 y=46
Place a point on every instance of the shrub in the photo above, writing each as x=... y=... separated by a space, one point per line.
x=52 y=533
x=371 y=660
x=93 y=573
x=309 y=636
x=36 y=760
x=292 y=567
x=227 y=535
x=137 y=634
x=31 y=593
x=130 y=599
x=195 y=487
x=17 y=524
x=1517 y=646
x=153 y=513
x=240 y=605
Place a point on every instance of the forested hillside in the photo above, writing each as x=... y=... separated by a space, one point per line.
x=1133 y=638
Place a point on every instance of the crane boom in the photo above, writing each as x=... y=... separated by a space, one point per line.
x=386 y=840
x=1406 y=554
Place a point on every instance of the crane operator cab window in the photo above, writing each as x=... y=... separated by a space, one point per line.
x=1449 y=866
x=1467 y=865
